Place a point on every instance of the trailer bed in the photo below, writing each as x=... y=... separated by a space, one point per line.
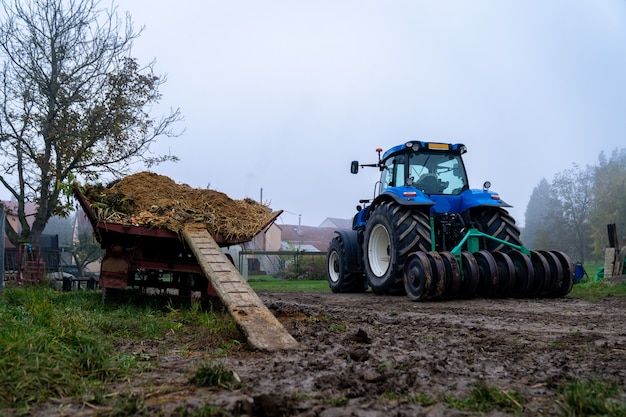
x=142 y=256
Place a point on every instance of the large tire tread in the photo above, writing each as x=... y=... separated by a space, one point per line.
x=498 y=223
x=409 y=231
x=340 y=279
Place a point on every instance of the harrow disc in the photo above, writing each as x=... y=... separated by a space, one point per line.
x=506 y=274
x=439 y=274
x=542 y=276
x=453 y=274
x=488 y=272
x=418 y=276
x=524 y=274
x=471 y=275
x=568 y=275
x=556 y=271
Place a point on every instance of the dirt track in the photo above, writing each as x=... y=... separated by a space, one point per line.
x=367 y=355
x=393 y=345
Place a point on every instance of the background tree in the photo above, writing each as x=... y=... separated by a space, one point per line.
x=572 y=213
x=609 y=199
x=72 y=103
x=536 y=210
x=544 y=224
x=85 y=249
x=573 y=188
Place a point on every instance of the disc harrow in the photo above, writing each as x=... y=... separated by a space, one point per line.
x=493 y=274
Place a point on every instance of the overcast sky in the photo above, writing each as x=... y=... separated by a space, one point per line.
x=282 y=95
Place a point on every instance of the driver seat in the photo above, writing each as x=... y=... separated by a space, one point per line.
x=429 y=184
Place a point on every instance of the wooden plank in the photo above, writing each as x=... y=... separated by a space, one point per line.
x=261 y=328
x=619 y=262
x=609 y=262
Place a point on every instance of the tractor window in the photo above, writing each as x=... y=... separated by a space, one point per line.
x=452 y=174
x=393 y=173
x=437 y=173
x=386 y=176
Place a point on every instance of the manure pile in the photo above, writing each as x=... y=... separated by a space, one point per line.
x=153 y=200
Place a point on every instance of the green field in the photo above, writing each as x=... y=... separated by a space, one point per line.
x=270 y=283
x=587 y=289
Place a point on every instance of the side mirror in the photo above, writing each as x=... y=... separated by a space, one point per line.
x=354 y=167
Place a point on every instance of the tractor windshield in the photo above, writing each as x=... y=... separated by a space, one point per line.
x=437 y=173
x=430 y=172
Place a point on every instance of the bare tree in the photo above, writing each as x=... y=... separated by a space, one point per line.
x=609 y=198
x=573 y=187
x=544 y=222
x=73 y=103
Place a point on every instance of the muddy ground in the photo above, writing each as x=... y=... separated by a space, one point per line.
x=368 y=355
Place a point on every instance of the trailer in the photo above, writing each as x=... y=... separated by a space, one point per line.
x=153 y=259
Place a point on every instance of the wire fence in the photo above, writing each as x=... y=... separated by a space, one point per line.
x=283 y=264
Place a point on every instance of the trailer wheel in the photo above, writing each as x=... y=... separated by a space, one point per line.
x=393 y=231
x=496 y=222
x=111 y=295
x=340 y=279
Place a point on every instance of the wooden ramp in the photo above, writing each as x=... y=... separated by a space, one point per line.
x=261 y=328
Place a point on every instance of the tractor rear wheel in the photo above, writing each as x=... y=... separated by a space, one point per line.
x=393 y=232
x=496 y=222
x=340 y=279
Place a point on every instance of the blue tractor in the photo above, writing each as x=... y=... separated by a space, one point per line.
x=427 y=234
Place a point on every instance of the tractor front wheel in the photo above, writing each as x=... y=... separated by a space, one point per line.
x=340 y=278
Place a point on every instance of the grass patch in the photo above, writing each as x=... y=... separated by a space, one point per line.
x=484 y=398
x=591 y=398
x=338 y=401
x=415 y=398
x=126 y=404
x=269 y=283
x=211 y=374
x=590 y=290
x=63 y=344
x=338 y=328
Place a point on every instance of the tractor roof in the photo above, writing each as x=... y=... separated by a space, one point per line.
x=418 y=145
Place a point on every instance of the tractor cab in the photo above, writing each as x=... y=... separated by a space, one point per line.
x=432 y=168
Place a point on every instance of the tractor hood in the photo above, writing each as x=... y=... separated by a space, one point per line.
x=466 y=200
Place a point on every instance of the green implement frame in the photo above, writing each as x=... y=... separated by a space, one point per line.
x=471 y=242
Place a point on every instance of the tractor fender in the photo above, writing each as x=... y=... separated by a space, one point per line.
x=397 y=195
x=476 y=198
x=352 y=247
x=419 y=199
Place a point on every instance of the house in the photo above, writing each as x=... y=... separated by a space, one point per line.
x=310 y=238
x=11 y=216
x=339 y=224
